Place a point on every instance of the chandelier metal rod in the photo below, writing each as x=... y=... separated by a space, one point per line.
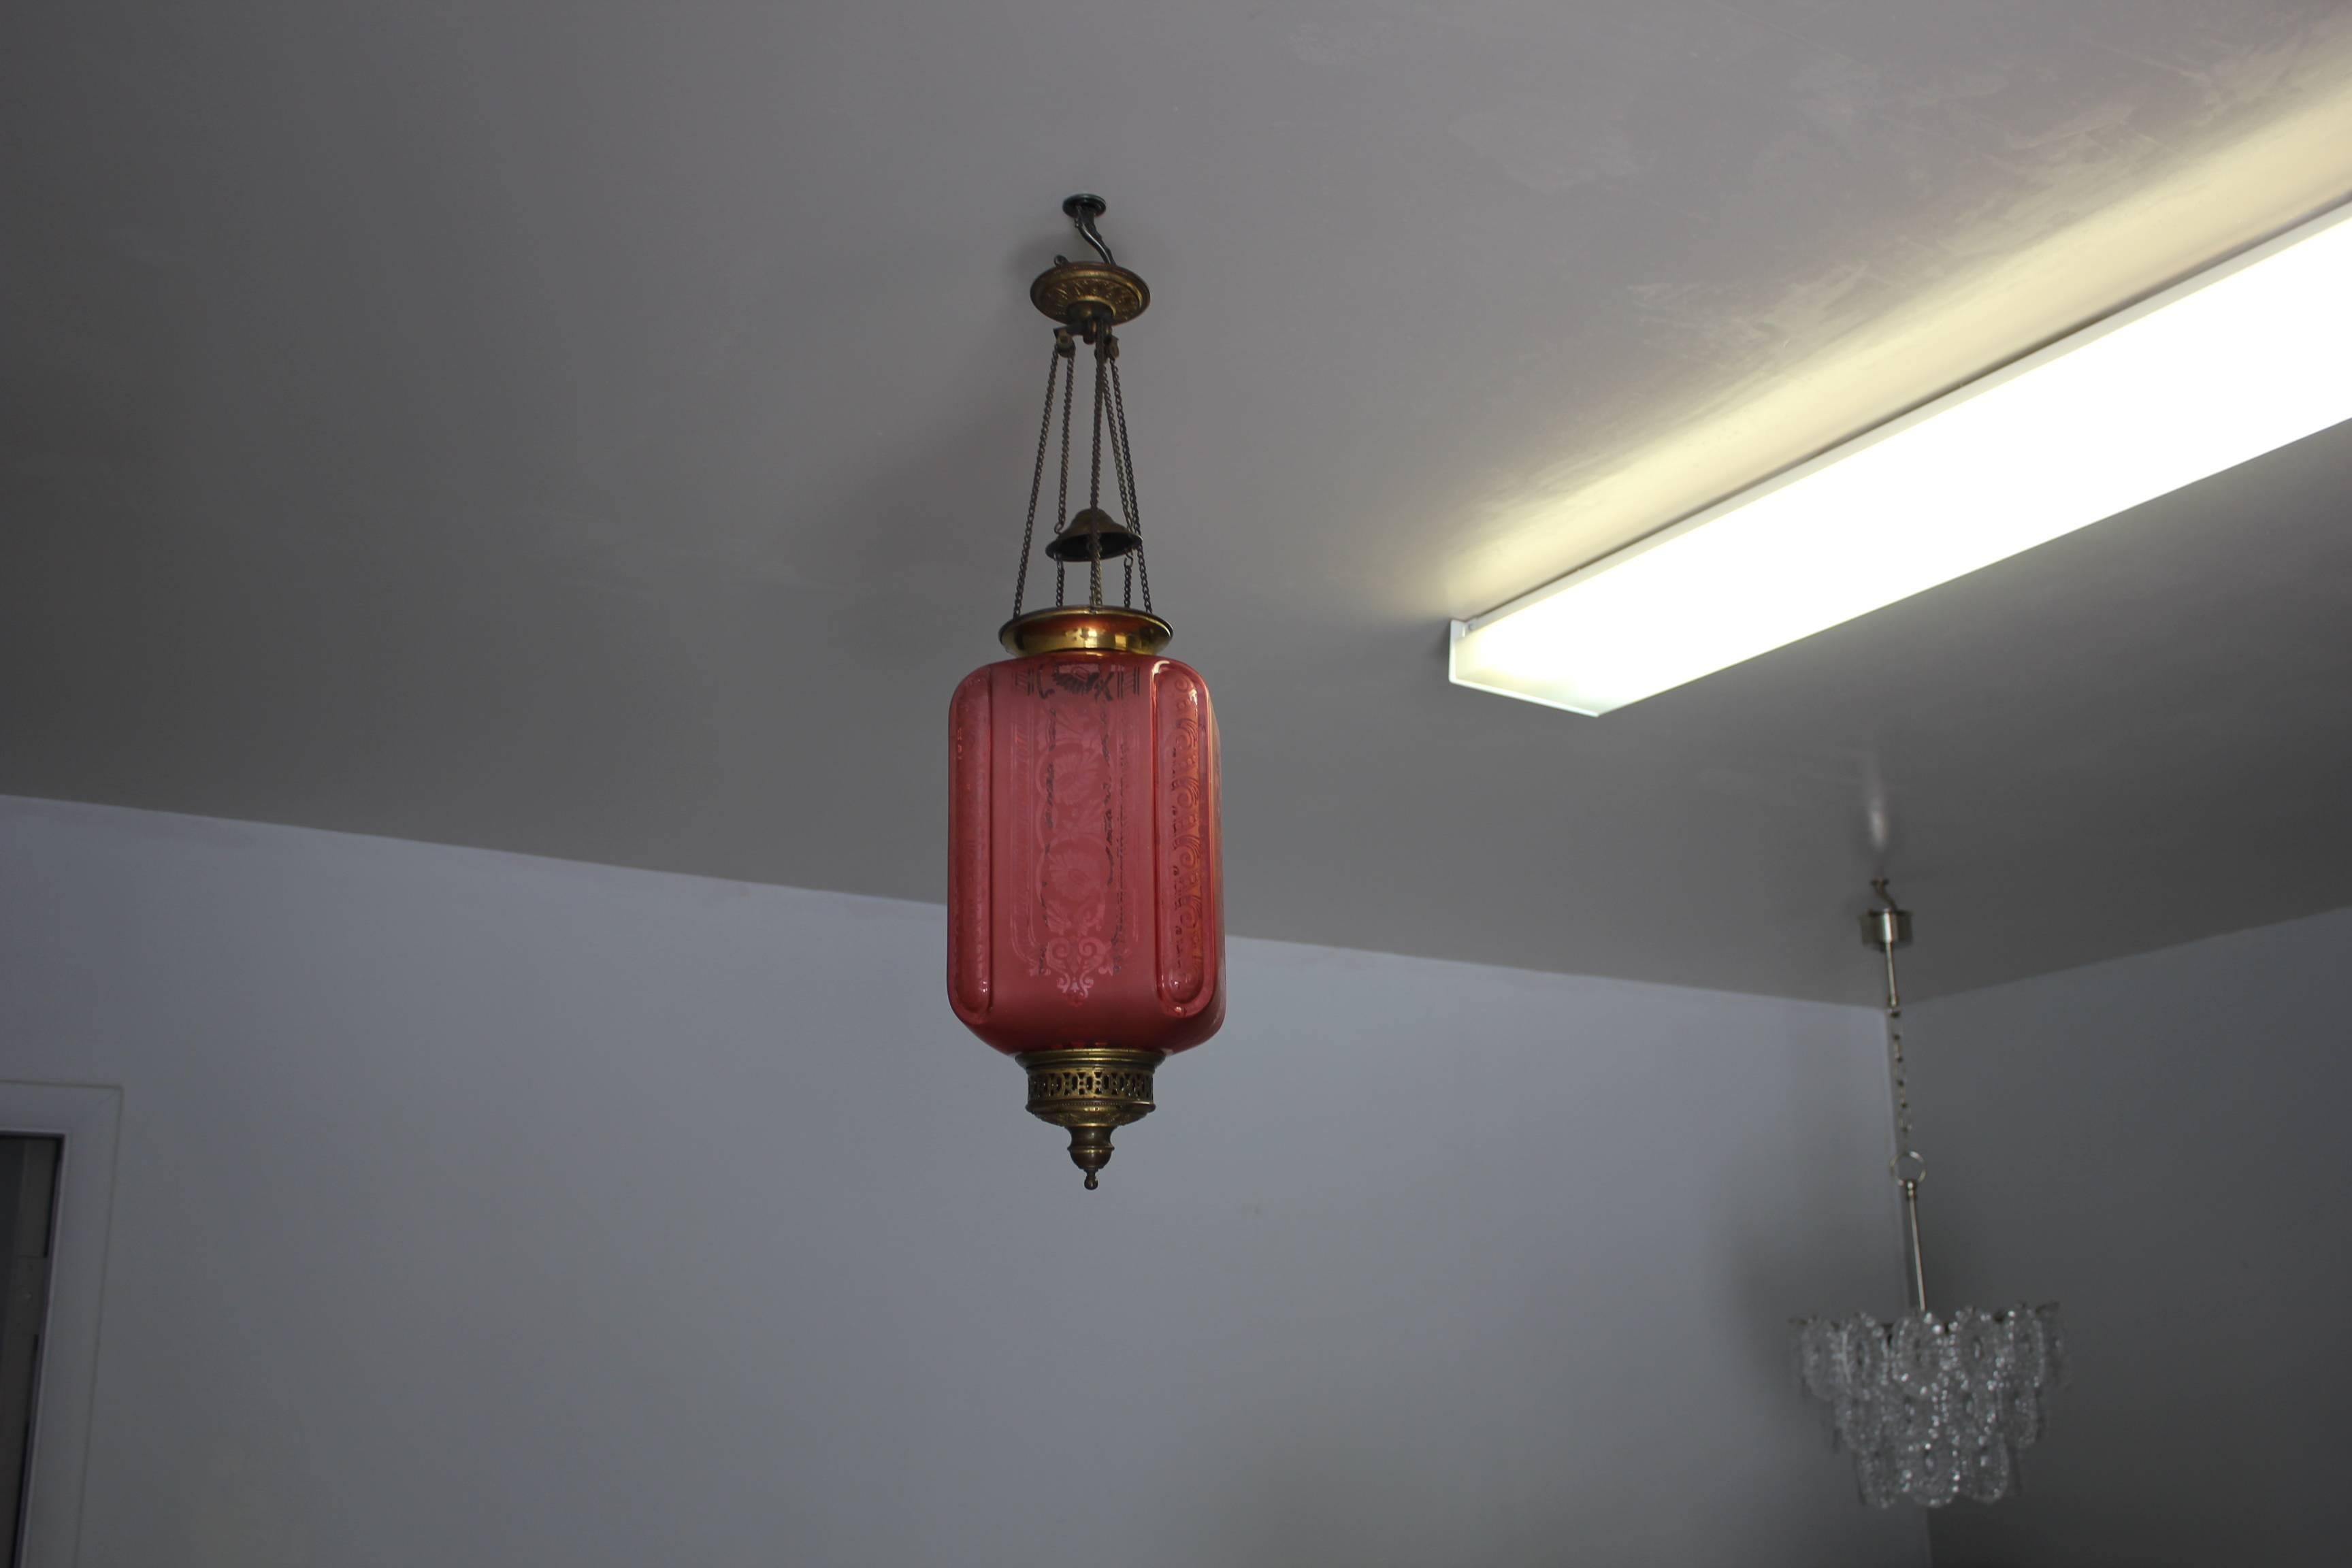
x=1918 y=1258
x=1887 y=929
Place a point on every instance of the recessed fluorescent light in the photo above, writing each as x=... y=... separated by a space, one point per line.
x=2241 y=358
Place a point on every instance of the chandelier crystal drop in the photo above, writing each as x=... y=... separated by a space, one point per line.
x=1931 y=1406
x=1935 y=1408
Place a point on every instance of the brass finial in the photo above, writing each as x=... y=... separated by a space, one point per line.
x=1090 y=1089
x=1091 y=1151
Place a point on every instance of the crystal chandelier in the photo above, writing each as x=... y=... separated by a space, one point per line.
x=1931 y=1406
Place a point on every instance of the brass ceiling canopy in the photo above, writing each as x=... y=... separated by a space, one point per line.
x=1088 y=297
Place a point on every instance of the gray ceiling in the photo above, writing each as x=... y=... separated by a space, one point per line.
x=600 y=430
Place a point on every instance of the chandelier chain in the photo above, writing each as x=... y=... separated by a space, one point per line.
x=1094 y=482
x=1906 y=1146
x=1105 y=358
x=1038 y=476
x=1123 y=461
x=1069 y=352
x=1908 y=1167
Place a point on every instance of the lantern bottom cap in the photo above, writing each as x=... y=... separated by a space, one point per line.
x=1090 y=1089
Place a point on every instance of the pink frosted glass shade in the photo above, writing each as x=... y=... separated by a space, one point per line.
x=1086 y=895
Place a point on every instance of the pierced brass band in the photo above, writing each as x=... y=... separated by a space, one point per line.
x=1068 y=628
x=1072 y=293
x=1090 y=1089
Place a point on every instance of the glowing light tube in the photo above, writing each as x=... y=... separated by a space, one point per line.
x=2241 y=359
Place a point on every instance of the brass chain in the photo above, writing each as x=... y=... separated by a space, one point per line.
x=1069 y=396
x=1094 y=480
x=1123 y=463
x=1062 y=349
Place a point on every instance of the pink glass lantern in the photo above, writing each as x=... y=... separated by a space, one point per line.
x=1086 y=921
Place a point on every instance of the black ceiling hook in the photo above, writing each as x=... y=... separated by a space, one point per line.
x=1083 y=211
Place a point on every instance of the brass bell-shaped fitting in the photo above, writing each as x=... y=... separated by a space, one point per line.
x=1078 y=541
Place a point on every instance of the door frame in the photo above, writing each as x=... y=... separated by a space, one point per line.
x=84 y=1117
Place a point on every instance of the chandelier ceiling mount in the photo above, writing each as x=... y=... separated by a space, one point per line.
x=1932 y=1408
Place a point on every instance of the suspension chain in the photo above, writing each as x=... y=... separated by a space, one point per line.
x=1109 y=432
x=1908 y=1166
x=1068 y=351
x=1889 y=928
x=1062 y=348
x=1094 y=483
x=1123 y=463
x=1906 y=1146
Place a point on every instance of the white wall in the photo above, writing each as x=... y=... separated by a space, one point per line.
x=476 y=1209
x=2161 y=1144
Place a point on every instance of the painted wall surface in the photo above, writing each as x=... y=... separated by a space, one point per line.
x=2159 y=1143
x=473 y=1209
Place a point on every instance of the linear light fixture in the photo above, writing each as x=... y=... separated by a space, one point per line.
x=2243 y=358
